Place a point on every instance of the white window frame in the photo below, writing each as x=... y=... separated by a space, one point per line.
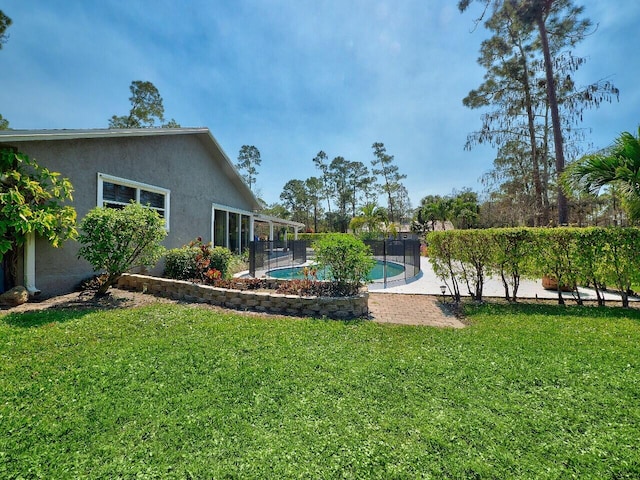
x=228 y=210
x=138 y=186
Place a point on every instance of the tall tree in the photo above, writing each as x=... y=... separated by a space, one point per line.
x=296 y=200
x=558 y=25
x=320 y=161
x=539 y=11
x=339 y=169
x=465 y=208
x=146 y=108
x=5 y=22
x=508 y=86
x=360 y=183
x=248 y=162
x=313 y=186
x=391 y=177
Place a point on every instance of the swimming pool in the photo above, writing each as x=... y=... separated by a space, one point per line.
x=376 y=274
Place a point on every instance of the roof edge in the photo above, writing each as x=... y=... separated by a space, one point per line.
x=72 y=134
x=7 y=136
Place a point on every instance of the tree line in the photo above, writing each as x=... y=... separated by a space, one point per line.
x=345 y=195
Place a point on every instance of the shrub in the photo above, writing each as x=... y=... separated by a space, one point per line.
x=444 y=260
x=510 y=257
x=198 y=262
x=180 y=263
x=347 y=260
x=309 y=288
x=621 y=261
x=475 y=253
x=220 y=259
x=116 y=240
x=572 y=256
x=556 y=254
x=238 y=263
x=592 y=245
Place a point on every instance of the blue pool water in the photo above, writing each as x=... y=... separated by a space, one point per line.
x=377 y=273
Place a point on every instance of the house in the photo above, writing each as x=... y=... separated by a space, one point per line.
x=182 y=173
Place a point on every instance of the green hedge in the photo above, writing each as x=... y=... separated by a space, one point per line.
x=573 y=256
x=180 y=263
x=313 y=237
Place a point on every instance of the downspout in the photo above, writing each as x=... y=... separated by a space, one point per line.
x=30 y=264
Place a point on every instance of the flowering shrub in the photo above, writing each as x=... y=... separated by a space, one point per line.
x=198 y=261
x=211 y=275
x=313 y=288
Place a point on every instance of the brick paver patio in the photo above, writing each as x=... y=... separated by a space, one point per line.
x=410 y=310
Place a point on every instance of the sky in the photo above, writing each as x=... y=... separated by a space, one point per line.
x=293 y=77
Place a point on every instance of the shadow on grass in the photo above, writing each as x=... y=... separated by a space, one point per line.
x=40 y=318
x=61 y=311
x=552 y=310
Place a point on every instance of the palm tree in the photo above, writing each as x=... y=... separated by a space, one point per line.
x=442 y=210
x=374 y=216
x=618 y=165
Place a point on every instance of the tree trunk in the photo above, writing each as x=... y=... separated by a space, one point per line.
x=315 y=218
x=537 y=184
x=625 y=299
x=10 y=268
x=563 y=211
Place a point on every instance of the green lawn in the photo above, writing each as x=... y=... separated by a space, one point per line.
x=171 y=391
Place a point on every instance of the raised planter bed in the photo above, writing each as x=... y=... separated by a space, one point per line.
x=259 y=301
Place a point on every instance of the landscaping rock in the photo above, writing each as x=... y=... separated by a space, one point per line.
x=14 y=297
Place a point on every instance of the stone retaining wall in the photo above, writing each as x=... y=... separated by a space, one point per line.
x=332 y=307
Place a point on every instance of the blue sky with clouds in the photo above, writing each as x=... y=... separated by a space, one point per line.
x=292 y=77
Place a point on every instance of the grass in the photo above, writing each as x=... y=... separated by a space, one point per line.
x=170 y=391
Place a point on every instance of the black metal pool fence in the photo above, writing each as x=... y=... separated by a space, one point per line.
x=268 y=255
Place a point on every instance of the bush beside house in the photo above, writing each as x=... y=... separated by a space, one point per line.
x=116 y=240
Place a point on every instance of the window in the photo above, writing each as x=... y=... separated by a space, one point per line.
x=231 y=227
x=114 y=192
x=220 y=228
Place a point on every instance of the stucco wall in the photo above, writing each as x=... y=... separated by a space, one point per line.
x=188 y=165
